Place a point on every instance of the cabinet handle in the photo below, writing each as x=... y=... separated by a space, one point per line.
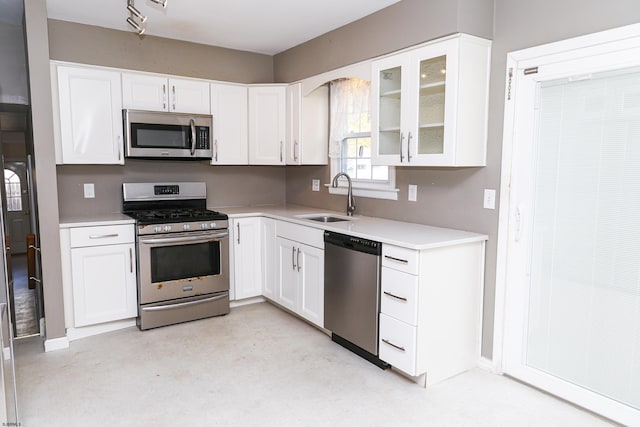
x=215 y=150
x=238 y=225
x=295 y=152
x=293 y=258
x=173 y=90
x=395 y=296
x=409 y=148
x=280 y=151
x=404 y=261
x=401 y=141
x=397 y=347
x=131 y=260
x=164 y=96
x=103 y=236
x=298 y=259
x=119 y=149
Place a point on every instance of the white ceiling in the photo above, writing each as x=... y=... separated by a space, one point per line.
x=258 y=26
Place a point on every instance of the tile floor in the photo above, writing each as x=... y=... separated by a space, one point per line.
x=257 y=366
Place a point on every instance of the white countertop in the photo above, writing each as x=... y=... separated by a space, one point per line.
x=90 y=220
x=406 y=234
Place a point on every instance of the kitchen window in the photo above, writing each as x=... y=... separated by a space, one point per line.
x=13 y=188
x=350 y=142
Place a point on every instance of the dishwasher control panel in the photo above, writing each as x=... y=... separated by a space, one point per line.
x=352 y=242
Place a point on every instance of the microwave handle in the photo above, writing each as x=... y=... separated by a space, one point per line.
x=192 y=124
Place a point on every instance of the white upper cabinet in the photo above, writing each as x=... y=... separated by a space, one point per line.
x=430 y=104
x=307 y=139
x=159 y=93
x=230 y=124
x=267 y=122
x=87 y=103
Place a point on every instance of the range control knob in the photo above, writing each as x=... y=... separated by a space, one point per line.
x=212 y=225
x=204 y=226
x=186 y=227
x=157 y=229
x=167 y=228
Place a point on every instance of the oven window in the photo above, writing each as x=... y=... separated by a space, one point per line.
x=159 y=136
x=185 y=261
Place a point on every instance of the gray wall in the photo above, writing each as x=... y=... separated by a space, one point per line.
x=13 y=65
x=45 y=169
x=124 y=49
x=446 y=197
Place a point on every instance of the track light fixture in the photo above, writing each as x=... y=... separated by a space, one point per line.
x=135 y=13
x=162 y=3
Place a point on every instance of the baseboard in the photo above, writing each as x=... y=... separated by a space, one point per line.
x=488 y=365
x=87 y=331
x=56 y=344
x=246 y=301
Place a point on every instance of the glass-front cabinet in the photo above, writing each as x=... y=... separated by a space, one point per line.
x=430 y=104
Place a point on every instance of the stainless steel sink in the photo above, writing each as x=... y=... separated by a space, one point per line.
x=327 y=218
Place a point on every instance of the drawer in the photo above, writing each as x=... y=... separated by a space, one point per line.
x=401 y=259
x=399 y=296
x=398 y=344
x=307 y=235
x=101 y=235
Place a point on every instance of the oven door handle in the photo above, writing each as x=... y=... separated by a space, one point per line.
x=184 y=304
x=206 y=238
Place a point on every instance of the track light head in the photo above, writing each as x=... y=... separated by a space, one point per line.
x=136 y=26
x=135 y=12
x=162 y=3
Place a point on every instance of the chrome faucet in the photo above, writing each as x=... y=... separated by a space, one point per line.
x=351 y=204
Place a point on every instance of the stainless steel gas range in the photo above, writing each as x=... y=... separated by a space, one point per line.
x=182 y=252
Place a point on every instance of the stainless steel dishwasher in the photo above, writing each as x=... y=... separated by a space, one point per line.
x=352 y=293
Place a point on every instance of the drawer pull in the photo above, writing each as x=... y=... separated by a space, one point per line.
x=404 y=261
x=397 y=347
x=103 y=236
x=395 y=296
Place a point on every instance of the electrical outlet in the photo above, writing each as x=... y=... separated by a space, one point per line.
x=315 y=185
x=489 y=198
x=89 y=191
x=413 y=193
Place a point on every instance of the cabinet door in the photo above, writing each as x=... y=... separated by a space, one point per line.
x=311 y=283
x=104 y=284
x=294 y=124
x=189 y=96
x=433 y=100
x=389 y=109
x=145 y=92
x=90 y=111
x=269 y=257
x=230 y=124
x=287 y=288
x=266 y=125
x=247 y=257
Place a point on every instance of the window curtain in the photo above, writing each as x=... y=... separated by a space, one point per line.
x=350 y=100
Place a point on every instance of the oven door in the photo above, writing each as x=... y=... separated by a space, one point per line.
x=182 y=265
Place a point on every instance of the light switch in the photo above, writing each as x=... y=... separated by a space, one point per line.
x=89 y=191
x=489 y=198
x=413 y=193
x=315 y=185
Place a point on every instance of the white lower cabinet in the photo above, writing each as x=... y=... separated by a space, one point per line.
x=247 y=257
x=269 y=257
x=101 y=268
x=300 y=279
x=430 y=311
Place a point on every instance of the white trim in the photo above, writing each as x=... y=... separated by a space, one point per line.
x=374 y=193
x=621 y=45
x=488 y=365
x=246 y=301
x=56 y=344
x=87 y=331
x=42 y=327
x=6 y=353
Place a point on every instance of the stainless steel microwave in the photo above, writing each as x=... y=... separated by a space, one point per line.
x=151 y=134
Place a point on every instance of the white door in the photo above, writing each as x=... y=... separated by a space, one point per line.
x=267 y=125
x=18 y=219
x=311 y=284
x=572 y=288
x=189 y=96
x=230 y=124
x=287 y=289
x=269 y=257
x=145 y=92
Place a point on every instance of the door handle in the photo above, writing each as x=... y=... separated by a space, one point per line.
x=293 y=257
x=130 y=260
x=401 y=140
x=409 y=148
x=31 y=261
x=298 y=259
x=238 y=225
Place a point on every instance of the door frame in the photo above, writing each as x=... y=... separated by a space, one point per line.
x=550 y=60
